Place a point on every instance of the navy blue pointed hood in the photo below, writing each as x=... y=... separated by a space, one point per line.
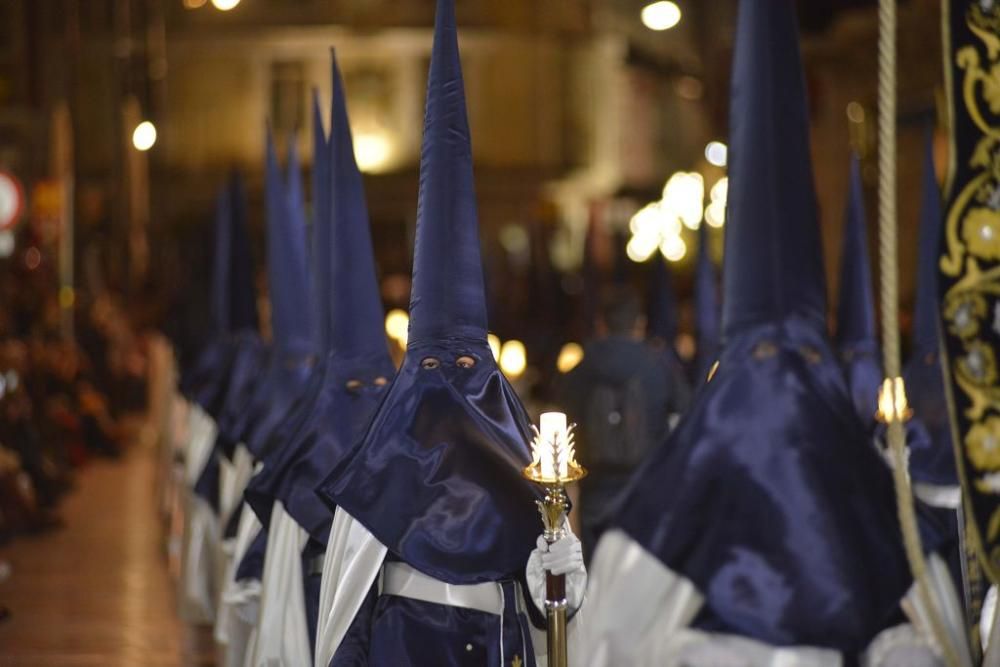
x=356 y=314
x=437 y=476
x=448 y=297
x=203 y=381
x=856 y=334
x=242 y=297
x=856 y=303
x=932 y=458
x=287 y=261
x=293 y=348
x=221 y=255
x=322 y=227
x=661 y=303
x=773 y=258
x=706 y=308
x=771 y=456
x=356 y=367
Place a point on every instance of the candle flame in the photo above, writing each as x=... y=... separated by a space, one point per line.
x=553 y=457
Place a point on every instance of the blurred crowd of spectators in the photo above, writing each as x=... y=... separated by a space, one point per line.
x=71 y=377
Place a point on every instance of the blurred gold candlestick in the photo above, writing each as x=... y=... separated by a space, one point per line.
x=553 y=466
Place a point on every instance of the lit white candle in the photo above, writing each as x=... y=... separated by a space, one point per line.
x=552 y=427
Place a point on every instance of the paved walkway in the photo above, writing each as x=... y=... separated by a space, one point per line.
x=97 y=593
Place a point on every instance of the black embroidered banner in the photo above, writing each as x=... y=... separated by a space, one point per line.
x=970 y=265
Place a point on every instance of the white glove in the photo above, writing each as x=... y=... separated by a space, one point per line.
x=562 y=557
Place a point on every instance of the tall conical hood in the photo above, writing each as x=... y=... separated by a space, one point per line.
x=356 y=316
x=242 y=296
x=447 y=297
x=322 y=226
x=662 y=303
x=287 y=264
x=773 y=266
x=856 y=303
x=220 y=260
x=926 y=310
x=706 y=305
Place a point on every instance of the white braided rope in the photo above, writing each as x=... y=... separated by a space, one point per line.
x=888 y=250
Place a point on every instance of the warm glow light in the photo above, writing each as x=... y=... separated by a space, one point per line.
x=715 y=212
x=513 y=358
x=371 y=151
x=225 y=5
x=673 y=248
x=641 y=248
x=67 y=296
x=552 y=429
x=661 y=15
x=855 y=112
x=194 y=4
x=715 y=153
x=397 y=325
x=144 y=136
x=570 y=356
x=494 y=341
x=683 y=196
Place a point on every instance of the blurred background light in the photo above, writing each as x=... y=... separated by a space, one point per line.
x=716 y=153
x=397 y=325
x=225 y=5
x=661 y=15
x=494 y=341
x=513 y=359
x=570 y=356
x=6 y=243
x=144 y=136
x=372 y=151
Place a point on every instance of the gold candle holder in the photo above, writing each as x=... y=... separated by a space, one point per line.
x=553 y=466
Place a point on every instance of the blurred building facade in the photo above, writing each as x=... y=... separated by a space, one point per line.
x=577 y=112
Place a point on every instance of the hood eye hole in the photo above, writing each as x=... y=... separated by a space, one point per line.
x=380 y=381
x=430 y=363
x=354 y=385
x=465 y=361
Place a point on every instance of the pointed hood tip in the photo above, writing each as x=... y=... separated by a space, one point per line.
x=856 y=302
x=448 y=298
x=287 y=265
x=242 y=296
x=356 y=313
x=773 y=264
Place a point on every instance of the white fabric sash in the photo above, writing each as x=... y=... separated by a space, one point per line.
x=282 y=629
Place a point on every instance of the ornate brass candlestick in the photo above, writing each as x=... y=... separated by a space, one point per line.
x=554 y=465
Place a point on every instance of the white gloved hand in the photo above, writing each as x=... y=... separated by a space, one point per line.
x=562 y=557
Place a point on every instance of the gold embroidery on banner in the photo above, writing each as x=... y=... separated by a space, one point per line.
x=972 y=238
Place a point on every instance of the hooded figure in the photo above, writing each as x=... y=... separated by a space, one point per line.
x=432 y=497
x=355 y=373
x=756 y=525
x=287 y=372
x=256 y=405
x=224 y=368
x=932 y=461
x=706 y=309
x=233 y=307
x=857 y=337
